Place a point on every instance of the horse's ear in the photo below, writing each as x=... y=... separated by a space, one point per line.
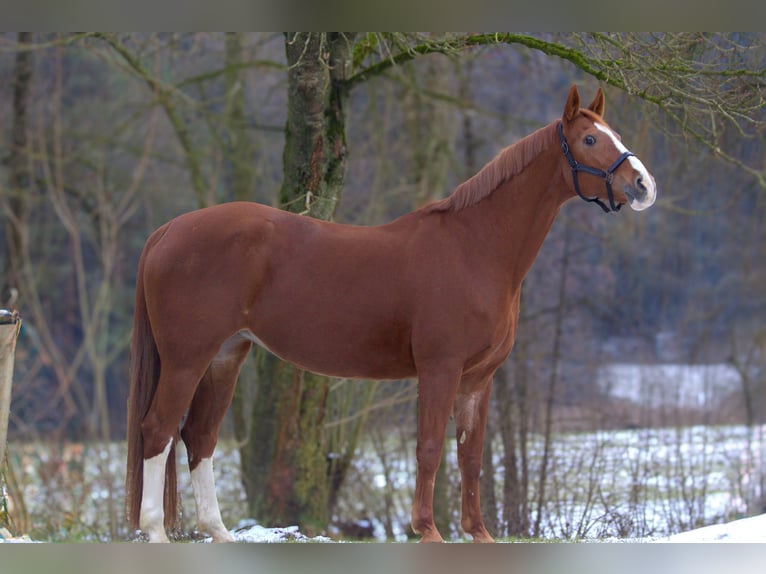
x=597 y=105
x=573 y=104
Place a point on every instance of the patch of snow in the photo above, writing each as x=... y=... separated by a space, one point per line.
x=747 y=530
x=7 y=537
x=690 y=386
x=249 y=530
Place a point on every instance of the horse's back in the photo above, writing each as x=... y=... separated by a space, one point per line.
x=331 y=298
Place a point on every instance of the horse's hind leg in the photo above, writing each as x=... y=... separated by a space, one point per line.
x=200 y=432
x=175 y=389
x=470 y=423
x=152 y=516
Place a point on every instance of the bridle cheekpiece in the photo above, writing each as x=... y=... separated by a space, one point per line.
x=607 y=176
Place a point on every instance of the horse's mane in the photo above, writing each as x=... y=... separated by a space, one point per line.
x=510 y=161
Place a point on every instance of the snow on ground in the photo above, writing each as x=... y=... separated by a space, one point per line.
x=6 y=536
x=246 y=531
x=669 y=385
x=751 y=529
x=250 y=531
x=747 y=530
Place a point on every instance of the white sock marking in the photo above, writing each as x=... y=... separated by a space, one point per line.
x=208 y=513
x=152 y=516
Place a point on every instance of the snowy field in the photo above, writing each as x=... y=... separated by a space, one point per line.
x=628 y=484
x=746 y=530
x=643 y=485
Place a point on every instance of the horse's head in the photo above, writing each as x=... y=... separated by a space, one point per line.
x=602 y=169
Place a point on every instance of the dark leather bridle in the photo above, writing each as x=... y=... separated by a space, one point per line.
x=607 y=176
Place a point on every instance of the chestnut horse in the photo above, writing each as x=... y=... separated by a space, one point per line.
x=433 y=295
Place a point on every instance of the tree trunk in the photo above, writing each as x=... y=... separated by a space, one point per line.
x=285 y=463
x=18 y=170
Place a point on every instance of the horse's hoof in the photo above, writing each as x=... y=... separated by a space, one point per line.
x=429 y=538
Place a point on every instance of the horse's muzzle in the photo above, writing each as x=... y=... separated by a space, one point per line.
x=642 y=193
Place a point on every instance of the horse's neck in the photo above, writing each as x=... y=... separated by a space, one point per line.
x=515 y=219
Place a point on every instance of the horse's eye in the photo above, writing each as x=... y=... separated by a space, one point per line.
x=589 y=140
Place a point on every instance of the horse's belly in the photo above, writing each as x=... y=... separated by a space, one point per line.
x=336 y=358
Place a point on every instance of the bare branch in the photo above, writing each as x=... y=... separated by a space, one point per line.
x=166 y=96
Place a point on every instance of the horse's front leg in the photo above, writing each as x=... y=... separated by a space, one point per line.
x=436 y=394
x=470 y=423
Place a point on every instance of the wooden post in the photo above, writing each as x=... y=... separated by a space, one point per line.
x=10 y=325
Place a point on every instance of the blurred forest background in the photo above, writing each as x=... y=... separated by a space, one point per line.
x=104 y=137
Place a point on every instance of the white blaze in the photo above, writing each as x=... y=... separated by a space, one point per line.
x=636 y=163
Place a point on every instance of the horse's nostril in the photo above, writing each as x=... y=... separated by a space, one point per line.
x=640 y=183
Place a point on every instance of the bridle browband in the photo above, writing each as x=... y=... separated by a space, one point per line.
x=607 y=176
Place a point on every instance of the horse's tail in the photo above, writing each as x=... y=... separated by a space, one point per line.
x=144 y=375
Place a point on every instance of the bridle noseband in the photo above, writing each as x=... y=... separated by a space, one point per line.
x=607 y=176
